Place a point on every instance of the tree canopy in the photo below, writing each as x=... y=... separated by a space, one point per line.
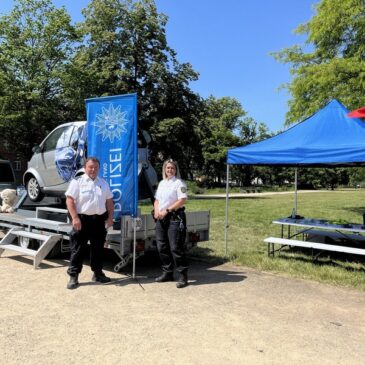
x=329 y=65
x=331 y=62
x=36 y=42
x=49 y=66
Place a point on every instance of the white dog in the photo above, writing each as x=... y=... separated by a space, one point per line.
x=9 y=197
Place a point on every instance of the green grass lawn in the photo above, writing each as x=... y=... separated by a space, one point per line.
x=250 y=222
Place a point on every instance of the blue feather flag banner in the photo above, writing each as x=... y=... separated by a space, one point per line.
x=112 y=138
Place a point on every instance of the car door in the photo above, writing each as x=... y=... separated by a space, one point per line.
x=69 y=155
x=58 y=140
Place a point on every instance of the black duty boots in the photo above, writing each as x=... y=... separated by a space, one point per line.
x=166 y=276
x=100 y=277
x=182 y=282
x=73 y=282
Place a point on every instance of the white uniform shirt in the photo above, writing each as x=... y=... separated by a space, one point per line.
x=169 y=191
x=89 y=195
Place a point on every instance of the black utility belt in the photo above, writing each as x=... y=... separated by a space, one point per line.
x=177 y=214
x=182 y=209
x=103 y=216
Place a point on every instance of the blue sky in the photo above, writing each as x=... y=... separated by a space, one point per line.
x=228 y=43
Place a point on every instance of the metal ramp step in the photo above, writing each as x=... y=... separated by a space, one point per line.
x=47 y=222
x=53 y=214
x=36 y=236
x=46 y=243
x=24 y=250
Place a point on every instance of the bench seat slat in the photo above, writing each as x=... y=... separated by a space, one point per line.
x=319 y=246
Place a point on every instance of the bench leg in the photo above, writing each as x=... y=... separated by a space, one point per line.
x=270 y=249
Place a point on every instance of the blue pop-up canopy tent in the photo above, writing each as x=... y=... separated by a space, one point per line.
x=327 y=138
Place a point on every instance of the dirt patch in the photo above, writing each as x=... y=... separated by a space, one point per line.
x=227 y=315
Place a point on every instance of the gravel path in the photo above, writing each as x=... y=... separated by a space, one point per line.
x=227 y=315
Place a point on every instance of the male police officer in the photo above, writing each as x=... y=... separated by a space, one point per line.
x=90 y=204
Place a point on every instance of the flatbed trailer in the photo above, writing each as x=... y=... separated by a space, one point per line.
x=43 y=231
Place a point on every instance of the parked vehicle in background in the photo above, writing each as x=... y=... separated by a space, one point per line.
x=7 y=177
x=60 y=157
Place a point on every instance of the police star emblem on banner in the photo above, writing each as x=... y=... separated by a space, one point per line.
x=111 y=123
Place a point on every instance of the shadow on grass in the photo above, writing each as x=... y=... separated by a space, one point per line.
x=358 y=210
x=205 y=254
x=334 y=259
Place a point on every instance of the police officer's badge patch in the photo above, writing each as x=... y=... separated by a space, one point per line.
x=183 y=189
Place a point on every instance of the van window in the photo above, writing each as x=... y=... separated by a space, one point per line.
x=58 y=138
x=6 y=173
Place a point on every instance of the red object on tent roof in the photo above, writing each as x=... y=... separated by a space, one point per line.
x=358 y=113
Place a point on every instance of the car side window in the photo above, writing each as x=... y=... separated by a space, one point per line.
x=6 y=173
x=58 y=138
x=75 y=137
x=65 y=137
x=141 y=141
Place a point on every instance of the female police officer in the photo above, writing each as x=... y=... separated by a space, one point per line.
x=171 y=224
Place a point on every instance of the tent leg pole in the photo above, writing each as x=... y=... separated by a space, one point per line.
x=134 y=248
x=226 y=224
x=296 y=191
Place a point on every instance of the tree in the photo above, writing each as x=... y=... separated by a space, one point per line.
x=357 y=176
x=331 y=63
x=173 y=138
x=36 y=40
x=217 y=126
x=250 y=131
x=124 y=50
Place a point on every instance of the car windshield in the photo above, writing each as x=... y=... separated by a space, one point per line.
x=6 y=173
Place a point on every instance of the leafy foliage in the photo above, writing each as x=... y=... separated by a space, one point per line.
x=331 y=62
x=357 y=177
x=124 y=50
x=48 y=67
x=35 y=43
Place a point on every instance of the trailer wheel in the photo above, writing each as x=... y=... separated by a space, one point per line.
x=34 y=191
x=26 y=242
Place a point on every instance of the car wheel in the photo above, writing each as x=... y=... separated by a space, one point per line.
x=34 y=190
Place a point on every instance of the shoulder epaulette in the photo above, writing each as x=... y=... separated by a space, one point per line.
x=78 y=177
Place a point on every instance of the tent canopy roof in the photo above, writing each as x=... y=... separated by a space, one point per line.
x=327 y=138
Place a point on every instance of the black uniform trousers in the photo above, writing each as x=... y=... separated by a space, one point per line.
x=170 y=237
x=93 y=230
